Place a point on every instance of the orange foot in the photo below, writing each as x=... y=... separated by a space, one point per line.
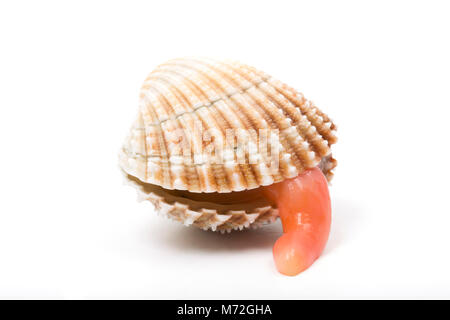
x=305 y=211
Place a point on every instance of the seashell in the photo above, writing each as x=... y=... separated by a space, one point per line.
x=196 y=147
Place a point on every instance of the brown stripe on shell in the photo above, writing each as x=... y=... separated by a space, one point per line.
x=187 y=121
x=204 y=173
x=303 y=158
x=179 y=169
x=220 y=173
x=222 y=95
x=292 y=113
x=286 y=169
x=224 y=90
x=167 y=128
x=268 y=109
x=317 y=117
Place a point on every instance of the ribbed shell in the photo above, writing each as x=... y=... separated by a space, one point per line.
x=182 y=93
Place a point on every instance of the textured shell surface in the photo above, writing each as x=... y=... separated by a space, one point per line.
x=200 y=127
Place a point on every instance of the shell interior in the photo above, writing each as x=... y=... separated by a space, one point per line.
x=222 y=212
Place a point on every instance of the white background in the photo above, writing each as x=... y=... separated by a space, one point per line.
x=69 y=79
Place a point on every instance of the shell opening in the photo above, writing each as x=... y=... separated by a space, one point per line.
x=215 y=211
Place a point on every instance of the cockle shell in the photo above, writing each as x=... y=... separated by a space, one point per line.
x=187 y=109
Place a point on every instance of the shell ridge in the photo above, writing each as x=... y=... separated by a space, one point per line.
x=209 y=104
x=160 y=137
x=318 y=146
x=305 y=109
x=237 y=82
x=293 y=147
x=221 y=95
x=194 y=118
x=301 y=128
x=163 y=143
x=248 y=169
x=302 y=135
x=236 y=76
x=186 y=131
x=219 y=88
x=243 y=87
